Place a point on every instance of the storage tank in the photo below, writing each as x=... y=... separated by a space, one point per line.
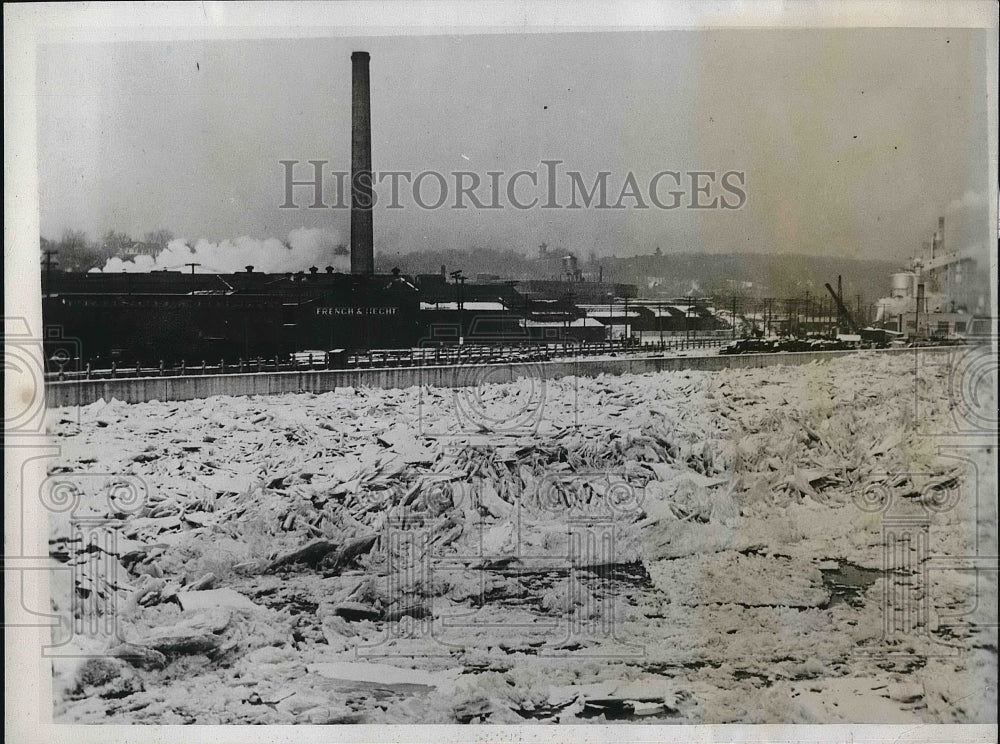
x=902 y=284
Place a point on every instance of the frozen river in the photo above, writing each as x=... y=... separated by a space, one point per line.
x=787 y=544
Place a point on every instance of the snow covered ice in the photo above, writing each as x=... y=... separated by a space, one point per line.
x=683 y=547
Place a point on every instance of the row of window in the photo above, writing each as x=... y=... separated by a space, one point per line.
x=942 y=329
x=192 y=302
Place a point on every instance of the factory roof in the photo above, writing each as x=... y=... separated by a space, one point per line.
x=472 y=305
x=578 y=323
x=603 y=311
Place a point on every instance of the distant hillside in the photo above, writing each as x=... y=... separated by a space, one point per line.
x=752 y=275
x=471 y=261
x=766 y=275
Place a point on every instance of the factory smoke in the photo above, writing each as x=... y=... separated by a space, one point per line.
x=304 y=248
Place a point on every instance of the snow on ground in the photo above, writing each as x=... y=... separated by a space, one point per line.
x=684 y=547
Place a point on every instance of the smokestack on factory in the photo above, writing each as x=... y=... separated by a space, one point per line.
x=939 y=239
x=362 y=249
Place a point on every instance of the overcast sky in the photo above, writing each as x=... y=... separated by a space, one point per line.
x=853 y=141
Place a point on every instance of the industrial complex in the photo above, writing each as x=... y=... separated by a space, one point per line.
x=171 y=316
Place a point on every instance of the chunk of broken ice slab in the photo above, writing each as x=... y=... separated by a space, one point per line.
x=342 y=469
x=369 y=455
x=402 y=440
x=227 y=482
x=563 y=694
x=838 y=699
x=140 y=656
x=480 y=707
x=199 y=518
x=139 y=527
x=667 y=473
x=640 y=697
x=350 y=610
x=640 y=708
x=415 y=610
x=200 y=600
x=310 y=554
x=325 y=715
x=205 y=581
x=499 y=539
x=676 y=538
x=734 y=578
x=491 y=500
x=195 y=635
x=905 y=692
x=384 y=675
x=567 y=595
x=314 y=708
x=348 y=552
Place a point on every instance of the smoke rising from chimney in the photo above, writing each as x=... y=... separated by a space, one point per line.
x=305 y=247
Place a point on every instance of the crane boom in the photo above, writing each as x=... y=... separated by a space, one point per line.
x=843 y=309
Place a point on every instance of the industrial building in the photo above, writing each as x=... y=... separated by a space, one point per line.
x=942 y=293
x=171 y=316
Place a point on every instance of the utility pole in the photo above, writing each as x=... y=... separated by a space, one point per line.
x=627 y=335
x=805 y=312
x=48 y=271
x=192 y=265
x=611 y=316
x=659 y=321
x=461 y=305
x=460 y=281
x=734 y=316
x=569 y=311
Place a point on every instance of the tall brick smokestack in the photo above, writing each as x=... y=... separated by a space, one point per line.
x=362 y=250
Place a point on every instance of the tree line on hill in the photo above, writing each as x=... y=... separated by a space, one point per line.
x=74 y=251
x=660 y=273
x=759 y=275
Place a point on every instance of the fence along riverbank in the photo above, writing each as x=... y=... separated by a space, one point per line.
x=142 y=389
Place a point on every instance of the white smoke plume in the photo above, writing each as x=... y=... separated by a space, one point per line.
x=305 y=248
x=971 y=201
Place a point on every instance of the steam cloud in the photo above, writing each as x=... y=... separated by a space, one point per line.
x=971 y=201
x=306 y=247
